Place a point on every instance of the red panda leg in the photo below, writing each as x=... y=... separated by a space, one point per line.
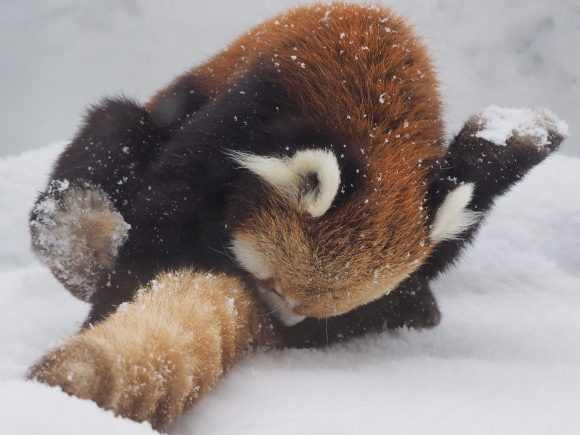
x=493 y=151
x=411 y=305
x=113 y=150
x=158 y=354
x=78 y=223
x=77 y=233
x=497 y=147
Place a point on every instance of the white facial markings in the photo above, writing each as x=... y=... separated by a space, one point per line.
x=280 y=307
x=250 y=259
x=453 y=216
x=288 y=176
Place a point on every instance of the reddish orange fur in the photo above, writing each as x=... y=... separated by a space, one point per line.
x=354 y=57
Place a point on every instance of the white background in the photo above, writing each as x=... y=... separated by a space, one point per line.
x=58 y=56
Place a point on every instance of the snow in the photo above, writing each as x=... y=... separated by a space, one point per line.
x=65 y=251
x=506 y=357
x=500 y=123
x=32 y=405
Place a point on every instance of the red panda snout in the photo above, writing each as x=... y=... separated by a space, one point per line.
x=296 y=281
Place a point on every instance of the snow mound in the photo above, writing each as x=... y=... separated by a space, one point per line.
x=29 y=408
x=500 y=124
x=505 y=358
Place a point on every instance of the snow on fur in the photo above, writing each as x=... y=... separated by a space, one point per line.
x=500 y=124
x=60 y=234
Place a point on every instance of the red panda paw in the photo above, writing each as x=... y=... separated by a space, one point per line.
x=412 y=305
x=535 y=129
x=77 y=233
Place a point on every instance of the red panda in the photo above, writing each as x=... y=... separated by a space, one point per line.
x=305 y=166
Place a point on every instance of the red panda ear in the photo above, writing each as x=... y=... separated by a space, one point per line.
x=453 y=216
x=310 y=178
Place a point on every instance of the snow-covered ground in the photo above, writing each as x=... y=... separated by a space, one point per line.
x=506 y=357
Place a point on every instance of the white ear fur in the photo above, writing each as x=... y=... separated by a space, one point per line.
x=288 y=175
x=453 y=216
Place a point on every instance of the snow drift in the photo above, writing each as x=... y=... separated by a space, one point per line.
x=505 y=358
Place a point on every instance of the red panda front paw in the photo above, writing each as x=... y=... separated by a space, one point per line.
x=497 y=147
x=77 y=233
x=412 y=305
x=535 y=129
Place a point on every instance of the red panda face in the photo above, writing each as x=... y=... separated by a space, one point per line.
x=325 y=227
x=314 y=257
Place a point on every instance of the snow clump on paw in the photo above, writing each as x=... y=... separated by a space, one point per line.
x=77 y=233
x=499 y=124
